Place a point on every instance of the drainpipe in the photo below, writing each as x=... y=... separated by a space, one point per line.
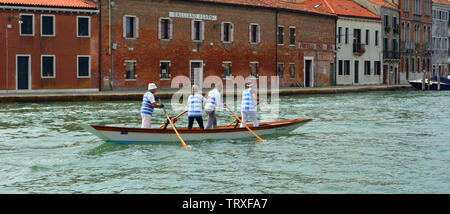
x=99 y=60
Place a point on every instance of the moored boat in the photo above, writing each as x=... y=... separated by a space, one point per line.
x=445 y=83
x=125 y=135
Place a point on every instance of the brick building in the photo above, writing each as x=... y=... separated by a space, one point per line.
x=48 y=46
x=156 y=41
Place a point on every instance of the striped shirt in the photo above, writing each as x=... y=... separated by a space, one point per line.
x=247 y=100
x=215 y=100
x=195 y=105
x=147 y=107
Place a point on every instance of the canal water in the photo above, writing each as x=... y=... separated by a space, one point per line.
x=376 y=142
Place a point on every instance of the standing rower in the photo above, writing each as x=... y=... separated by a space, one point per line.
x=214 y=100
x=148 y=104
x=248 y=105
x=195 y=101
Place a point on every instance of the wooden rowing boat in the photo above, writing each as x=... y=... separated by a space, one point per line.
x=154 y=135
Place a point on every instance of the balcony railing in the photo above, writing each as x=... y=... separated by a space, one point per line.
x=359 y=49
x=406 y=46
x=391 y=55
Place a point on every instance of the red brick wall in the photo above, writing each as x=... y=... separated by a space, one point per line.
x=147 y=50
x=65 y=46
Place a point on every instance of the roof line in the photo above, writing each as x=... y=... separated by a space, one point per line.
x=329 y=6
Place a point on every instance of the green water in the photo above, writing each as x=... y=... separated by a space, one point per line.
x=378 y=142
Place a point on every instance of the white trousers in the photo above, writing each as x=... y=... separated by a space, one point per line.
x=146 y=121
x=252 y=115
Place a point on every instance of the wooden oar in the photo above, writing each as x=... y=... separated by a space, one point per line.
x=175 y=129
x=260 y=140
x=239 y=117
x=173 y=119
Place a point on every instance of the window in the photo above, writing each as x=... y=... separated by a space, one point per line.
x=198 y=30
x=130 y=27
x=227 y=32
x=347 y=67
x=339 y=35
x=412 y=65
x=292 y=36
x=346 y=35
x=47 y=66
x=130 y=70
x=254 y=33
x=386 y=44
x=386 y=21
x=418 y=65
x=367 y=36
x=366 y=67
x=280 y=35
x=292 y=71
x=406 y=5
x=83 y=26
x=403 y=31
x=165 y=28
x=84 y=66
x=226 y=68
x=165 y=69
x=280 y=70
x=27 y=25
x=377 y=68
x=341 y=66
x=254 y=69
x=47 y=25
x=427 y=7
x=376 y=38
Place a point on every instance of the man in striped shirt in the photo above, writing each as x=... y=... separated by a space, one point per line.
x=148 y=105
x=214 y=100
x=249 y=99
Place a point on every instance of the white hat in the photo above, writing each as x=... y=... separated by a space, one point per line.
x=152 y=86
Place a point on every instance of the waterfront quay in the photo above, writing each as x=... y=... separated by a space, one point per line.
x=168 y=93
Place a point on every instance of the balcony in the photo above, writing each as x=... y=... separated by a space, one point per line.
x=391 y=55
x=406 y=46
x=359 y=49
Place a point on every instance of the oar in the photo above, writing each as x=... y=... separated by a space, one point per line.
x=173 y=119
x=260 y=140
x=239 y=117
x=175 y=129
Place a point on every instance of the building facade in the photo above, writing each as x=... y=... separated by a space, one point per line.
x=415 y=36
x=48 y=46
x=440 y=60
x=157 y=41
x=389 y=13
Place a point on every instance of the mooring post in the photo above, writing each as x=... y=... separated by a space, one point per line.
x=423 y=81
x=429 y=79
x=439 y=80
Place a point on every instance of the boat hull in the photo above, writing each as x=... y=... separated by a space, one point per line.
x=137 y=135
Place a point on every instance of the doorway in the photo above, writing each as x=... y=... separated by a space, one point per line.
x=23 y=76
x=196 y=72
x=356 y=71
x=308 y=72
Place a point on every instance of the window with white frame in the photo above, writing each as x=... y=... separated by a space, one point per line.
x=83 y=26
x=280 y=35
x=406 y=5
x=227 y=32
x=165 y=69
x=165 y=29
x=27 y=24
x=47 y=66
x=83 y=66
x=254 y=33
x=130 y=27
x=130 y=69
x=292 y=36
x=427 y=7
x=47 y=25
x=198 y=30
x=377 y=35
x=339 y=35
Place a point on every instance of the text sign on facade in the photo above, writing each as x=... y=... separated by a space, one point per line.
x=192 y=16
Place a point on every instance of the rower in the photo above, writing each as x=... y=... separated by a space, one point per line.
x=214 y=100
x=195 y=108
x=248 y=107
x=148 y=104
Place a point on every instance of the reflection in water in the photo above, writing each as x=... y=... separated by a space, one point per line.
x=380 y=142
